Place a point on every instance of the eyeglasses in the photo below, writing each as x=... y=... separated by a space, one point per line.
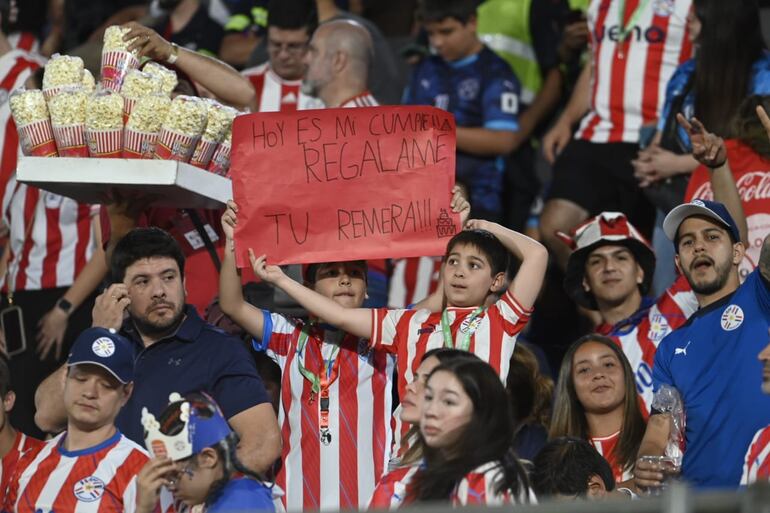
x=291 y=48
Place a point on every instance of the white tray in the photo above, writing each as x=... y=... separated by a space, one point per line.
x=88 y=180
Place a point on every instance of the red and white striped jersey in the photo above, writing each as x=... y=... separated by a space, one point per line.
x=101 y=479
x=342 y=474
x=16 y=67
x=757 y=464
x=21 y=444
x=605 y=446
x=409 y=334
x=53 y=251
x=390 y=492
x=274 y=94
x=412 y=280
x=480 y=487
x=364 y=99
x=640 y=335
x=628 y=79
x=26 y=41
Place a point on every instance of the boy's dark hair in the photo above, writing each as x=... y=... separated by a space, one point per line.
x=489 y=245
x=564 y=466
x=292 y=15
x=438 y=10
x=312 y=269
x=142 y=243
x=5 y=377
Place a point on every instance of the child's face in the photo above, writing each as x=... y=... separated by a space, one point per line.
x=343 y=282
x=467 y=276
x=452 y=39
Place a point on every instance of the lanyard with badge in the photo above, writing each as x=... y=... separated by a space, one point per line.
x=625 y=29
x=319 y=384
x=446 y=328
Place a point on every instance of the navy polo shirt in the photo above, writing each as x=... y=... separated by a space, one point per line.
x=198 y=356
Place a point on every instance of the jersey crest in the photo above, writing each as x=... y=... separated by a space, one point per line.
x=89 y=489
x=732 y=317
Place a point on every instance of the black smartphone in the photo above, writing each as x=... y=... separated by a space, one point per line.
x=12 y=324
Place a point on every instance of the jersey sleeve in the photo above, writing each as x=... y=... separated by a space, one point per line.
x=478 y=488
x=235 y=384
x=500 y=101
x=386 y=327
x=278 y=332
x=510 y=314
x=751 y=461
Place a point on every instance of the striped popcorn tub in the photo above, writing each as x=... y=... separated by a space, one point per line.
x=104 y=124
x=68 y=120
x=105 y=143
x=182 y=129
x=174 y=145
x=30 y=114
x=115 y=65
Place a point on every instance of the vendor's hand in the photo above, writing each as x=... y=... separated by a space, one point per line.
x=50 y=335
x=269 y=273
x=147 y=42
x=154 y=475
x=110 y=306
x=460 y=204
x=707 y=148
x=555 y=140
x=653 y=164
x=229 y=220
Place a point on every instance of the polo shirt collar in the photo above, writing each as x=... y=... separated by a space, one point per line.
x=188 y=331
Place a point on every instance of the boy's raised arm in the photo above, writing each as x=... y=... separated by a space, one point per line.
x=525 y=286
x=356 y=321
x=231 y=299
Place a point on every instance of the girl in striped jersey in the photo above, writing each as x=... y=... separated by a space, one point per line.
x=391 y=490
x=466 y=428
x=596 y=400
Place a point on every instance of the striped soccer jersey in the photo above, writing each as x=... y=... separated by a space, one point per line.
x=274 y=94
x=640 y=334
x=757 y=464
x=390 y=492
x=412 y=280
x=628 y=79
x=101 y=479
x=342 y=473
x=604 y=446
x=480 y=487
x=56 y=248
x=409 y=334
x=21 y=444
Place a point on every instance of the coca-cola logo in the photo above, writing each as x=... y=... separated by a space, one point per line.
x=752 y=186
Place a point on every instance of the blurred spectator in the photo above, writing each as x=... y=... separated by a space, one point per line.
x=187 y=23
x=34 y=25
x=569 y=468
x=634 y=50
x=246 y=28
x=531 y=394
x=596 y=401
x=277 y=82
x=757 y=462
x=731 y=62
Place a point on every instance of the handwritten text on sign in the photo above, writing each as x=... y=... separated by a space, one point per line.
x=344 y=184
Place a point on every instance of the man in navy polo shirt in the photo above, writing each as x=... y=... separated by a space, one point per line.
x=175 y=349
x=712 y=359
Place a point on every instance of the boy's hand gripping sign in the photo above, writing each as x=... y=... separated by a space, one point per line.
x=343 y=184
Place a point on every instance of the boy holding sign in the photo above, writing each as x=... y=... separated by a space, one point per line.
x=336 y=397
x=474 y=267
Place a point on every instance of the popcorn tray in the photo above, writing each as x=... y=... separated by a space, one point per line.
x=175 y=184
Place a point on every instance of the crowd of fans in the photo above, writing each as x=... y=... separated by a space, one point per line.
x=598 y=329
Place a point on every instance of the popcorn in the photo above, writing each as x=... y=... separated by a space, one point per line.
x=61 y=71
x=30 y=113
x=182 y=128
x=88 y=82
x=113 y=39
x=220 y=161
x=68 y=107
x=138 y=84
x=28 y=106
x=167 y=77
x=220 y=118
x=148 y=113
x=116 y=59
x=104 y=110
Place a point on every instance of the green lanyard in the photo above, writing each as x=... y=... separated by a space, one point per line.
x=446 y=327
x=625 y=29
x=328 y=369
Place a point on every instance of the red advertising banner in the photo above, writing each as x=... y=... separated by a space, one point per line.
x=343 y=184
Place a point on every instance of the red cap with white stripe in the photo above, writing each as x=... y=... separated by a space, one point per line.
x=608 y=228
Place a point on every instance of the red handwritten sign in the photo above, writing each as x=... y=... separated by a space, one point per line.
x=343 y=184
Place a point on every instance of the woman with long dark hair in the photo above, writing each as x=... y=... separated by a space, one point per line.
x=596 y=400
x=731 y=62
x=467 y=429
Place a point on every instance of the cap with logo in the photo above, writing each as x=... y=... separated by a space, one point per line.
x=188 y=425
x=107 y=349
x=711 y=209
x=608 y=228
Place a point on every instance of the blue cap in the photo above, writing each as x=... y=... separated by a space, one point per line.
x=711 y=209
x=207 y=425
x=107 y=349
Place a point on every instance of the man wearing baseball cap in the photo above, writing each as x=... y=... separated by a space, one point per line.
x=91 y=466
x=610 y=270
x=711 y=360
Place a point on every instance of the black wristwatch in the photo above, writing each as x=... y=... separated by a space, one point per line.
x=64 y=305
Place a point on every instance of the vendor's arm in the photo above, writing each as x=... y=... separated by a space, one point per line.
x=218 y=77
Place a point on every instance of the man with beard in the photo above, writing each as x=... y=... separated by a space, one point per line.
x=175 y=350
x=711 y=360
